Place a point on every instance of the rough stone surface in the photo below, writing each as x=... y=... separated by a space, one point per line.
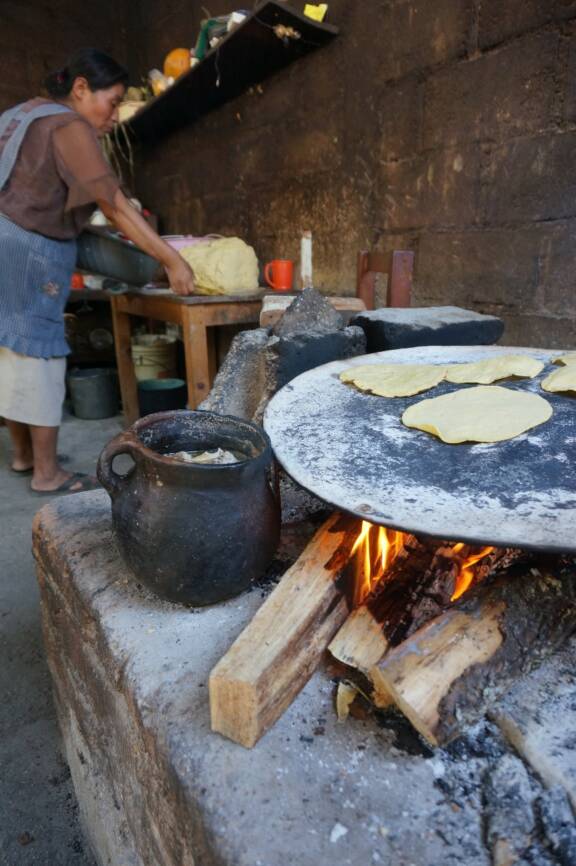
x=396 y=328
x=239 y=383
x=558 y=822
x=157 y=788
x=539 y=718
x=309 y=311
x=509 y=814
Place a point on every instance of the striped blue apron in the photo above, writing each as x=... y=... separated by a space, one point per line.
x=35 y=271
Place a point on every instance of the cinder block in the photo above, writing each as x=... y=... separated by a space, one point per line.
x=500 y=21
x=501 y=94
x=531 y=179
x=398 y=328
x=472 y=269
x=439 y=188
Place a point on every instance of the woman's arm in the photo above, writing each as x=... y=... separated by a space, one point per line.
x=127 y=219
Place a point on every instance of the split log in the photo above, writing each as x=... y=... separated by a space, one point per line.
x=448 y=672
x=277 y=653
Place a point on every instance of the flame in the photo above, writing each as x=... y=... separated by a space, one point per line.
x=375 y=550
x=466 y=573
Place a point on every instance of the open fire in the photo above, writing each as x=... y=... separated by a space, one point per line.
x=377 y=548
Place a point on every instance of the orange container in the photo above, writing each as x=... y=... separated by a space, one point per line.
x=279 y=274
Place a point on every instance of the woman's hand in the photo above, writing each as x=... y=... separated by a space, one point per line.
x=180 y=276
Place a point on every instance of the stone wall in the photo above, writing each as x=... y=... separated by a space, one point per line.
x=37 y=37
x=446 y=126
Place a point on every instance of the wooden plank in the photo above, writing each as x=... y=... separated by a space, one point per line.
x=446 y=674
x=277 y=653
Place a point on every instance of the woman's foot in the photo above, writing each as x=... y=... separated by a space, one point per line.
x=64 y=482
x=25 y=466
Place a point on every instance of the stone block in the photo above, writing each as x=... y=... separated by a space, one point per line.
x=157 y=788
x=397 y=328
x=492 y=97
x=537 y=176
x=476 y=268
x=309 y=311
x=557 y=292
x=239 y=383
x=500 y=21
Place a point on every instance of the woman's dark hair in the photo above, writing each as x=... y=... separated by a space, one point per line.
x=100 y=71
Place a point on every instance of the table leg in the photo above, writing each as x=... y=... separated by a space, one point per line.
x=126 y=374
x=200 y=358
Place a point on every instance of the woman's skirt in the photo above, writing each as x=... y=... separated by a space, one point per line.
x=32 y=390
x=35 y=275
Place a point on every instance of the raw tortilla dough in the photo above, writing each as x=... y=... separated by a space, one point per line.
x=487 y=413
x=394 y=380
x=485 y=372
x=561 y=380
x=568 y=359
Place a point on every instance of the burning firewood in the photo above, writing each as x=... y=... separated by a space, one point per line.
x=448 y=672
x=277 y=653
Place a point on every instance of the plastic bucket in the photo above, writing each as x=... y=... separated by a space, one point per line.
x=94 y=393
x=161 y=395
x=154 y=357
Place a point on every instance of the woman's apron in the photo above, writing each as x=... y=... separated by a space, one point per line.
x=35 y=271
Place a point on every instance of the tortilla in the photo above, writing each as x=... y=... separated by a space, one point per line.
x=568 y=359
x=394 y=380
x=561 y=380
x=487 y=413
x=492 y=369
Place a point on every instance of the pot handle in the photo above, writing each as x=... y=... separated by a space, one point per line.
x=124 y=443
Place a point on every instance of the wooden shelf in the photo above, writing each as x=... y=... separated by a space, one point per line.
x=248 y=55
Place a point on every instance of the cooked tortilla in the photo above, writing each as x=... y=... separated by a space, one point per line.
x=394 y=380
x=492 y=369
x=561 y=380
x=487 y=413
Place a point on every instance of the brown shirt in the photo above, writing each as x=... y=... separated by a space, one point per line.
x=58 y=177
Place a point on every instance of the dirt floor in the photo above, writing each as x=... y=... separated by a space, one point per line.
x=38 y=809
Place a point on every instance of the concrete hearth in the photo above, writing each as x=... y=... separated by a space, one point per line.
x=156 y=786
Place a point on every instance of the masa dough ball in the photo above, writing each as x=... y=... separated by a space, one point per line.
x=224 y=266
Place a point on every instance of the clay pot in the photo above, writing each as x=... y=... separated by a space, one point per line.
x=193 y=533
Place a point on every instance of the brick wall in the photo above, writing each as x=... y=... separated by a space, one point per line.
x=37 y=37
x=446 y=126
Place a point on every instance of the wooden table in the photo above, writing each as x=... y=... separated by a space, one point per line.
x=198 y=316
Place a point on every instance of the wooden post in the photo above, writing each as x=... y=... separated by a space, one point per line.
x=277 y=653
x=125 y=364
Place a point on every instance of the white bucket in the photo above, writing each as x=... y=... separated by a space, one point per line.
x=154 y=356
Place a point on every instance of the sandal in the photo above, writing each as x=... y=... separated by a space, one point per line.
x=62 y=458
x=86 y=482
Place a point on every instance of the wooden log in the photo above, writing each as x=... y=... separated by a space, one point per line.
x=276 y=654
x=448 y=672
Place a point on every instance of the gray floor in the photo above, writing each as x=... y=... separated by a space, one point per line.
x=38 y=810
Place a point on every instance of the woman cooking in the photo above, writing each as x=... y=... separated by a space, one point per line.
x=52 y=177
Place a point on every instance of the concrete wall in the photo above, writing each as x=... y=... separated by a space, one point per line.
x=37 y=36
x=447 y=126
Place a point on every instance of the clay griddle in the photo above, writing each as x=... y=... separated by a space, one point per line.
x=352 y=450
